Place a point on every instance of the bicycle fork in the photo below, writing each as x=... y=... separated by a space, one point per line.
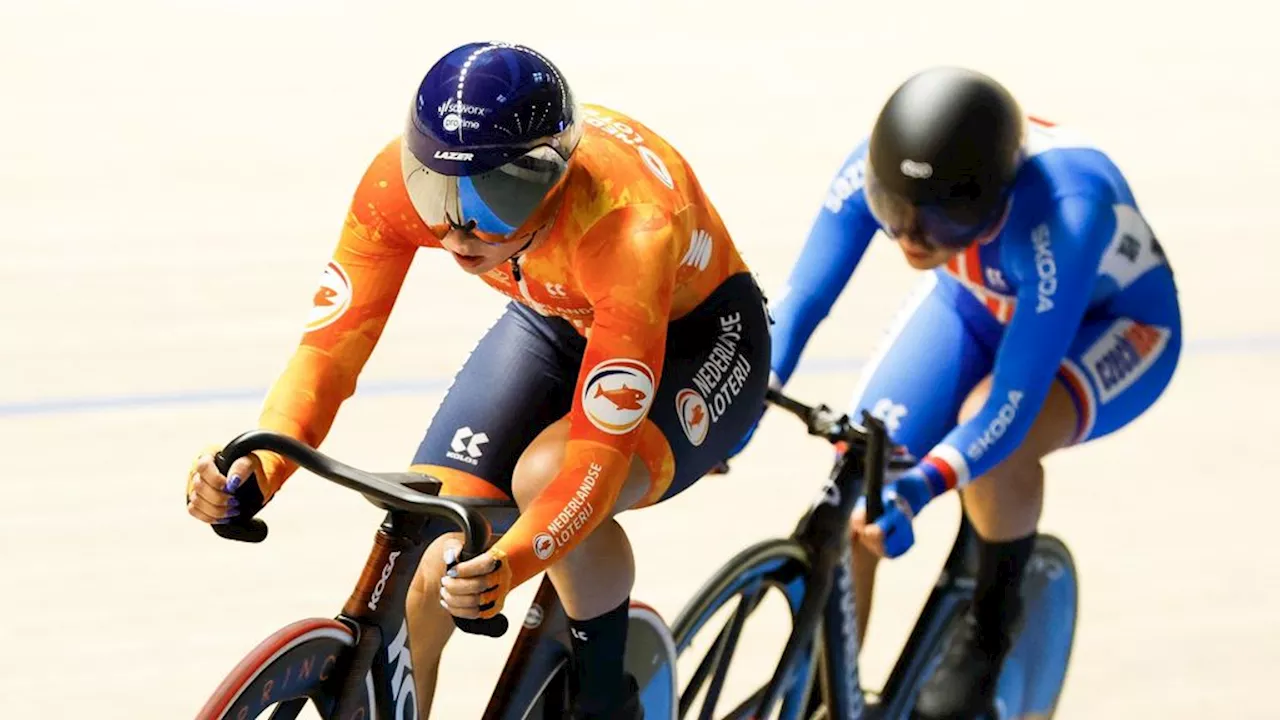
x=827 y=614
x=840 y=641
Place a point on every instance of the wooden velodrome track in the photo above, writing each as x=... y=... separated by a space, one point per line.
x=172 y=179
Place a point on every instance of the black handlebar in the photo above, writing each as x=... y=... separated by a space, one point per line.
x=871 y=439
x=474 y=527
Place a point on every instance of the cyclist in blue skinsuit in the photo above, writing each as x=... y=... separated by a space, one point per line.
x=1050 y=318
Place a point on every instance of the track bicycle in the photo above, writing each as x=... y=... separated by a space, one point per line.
x=817 y=675
x=357 y=666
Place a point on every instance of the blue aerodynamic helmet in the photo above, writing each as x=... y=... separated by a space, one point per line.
x=490 y=135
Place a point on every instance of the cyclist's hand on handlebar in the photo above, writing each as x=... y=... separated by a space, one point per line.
x=475 y=588
x=892 y=535
x=210 y=494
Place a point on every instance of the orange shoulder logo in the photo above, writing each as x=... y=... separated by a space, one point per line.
x=332 y=298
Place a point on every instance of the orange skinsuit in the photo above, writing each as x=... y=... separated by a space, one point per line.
x=615 y=264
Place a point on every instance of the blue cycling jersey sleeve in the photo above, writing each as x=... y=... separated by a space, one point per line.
x=836 y=242
x=1055 y=274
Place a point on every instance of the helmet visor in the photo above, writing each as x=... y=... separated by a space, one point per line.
x=952 y=224
x=495 y=202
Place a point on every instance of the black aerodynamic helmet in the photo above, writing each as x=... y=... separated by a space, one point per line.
x=943 y=156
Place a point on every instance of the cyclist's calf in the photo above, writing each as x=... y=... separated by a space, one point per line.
x=1005 y=503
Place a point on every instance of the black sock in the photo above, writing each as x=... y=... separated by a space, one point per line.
x=598 y=650
x=997 y=600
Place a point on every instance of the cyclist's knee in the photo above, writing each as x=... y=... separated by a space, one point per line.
x=539 y=463
x=1005 y=503
x=424 y=589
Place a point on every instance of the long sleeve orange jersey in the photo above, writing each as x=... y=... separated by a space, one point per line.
x=635 y=245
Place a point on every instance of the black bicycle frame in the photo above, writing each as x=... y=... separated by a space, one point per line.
x=824 y=532
x=379 y=670
x=376 y=610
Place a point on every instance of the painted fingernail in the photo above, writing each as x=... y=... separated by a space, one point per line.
x=442 y=595
x=450 y=556
x=443 y=605
x=452 y=572
x=233 y=483
x=233 y=503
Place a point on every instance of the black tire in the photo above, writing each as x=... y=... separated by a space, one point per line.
x=291 y=667
x=772 y=564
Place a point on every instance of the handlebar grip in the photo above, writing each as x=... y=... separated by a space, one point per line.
x=877 y=447
x=245 y=527
x=252 y=530
x=494 y=627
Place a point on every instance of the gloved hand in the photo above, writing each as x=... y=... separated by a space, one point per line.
x=214 y=498
x=476 y=588
x=904 y=497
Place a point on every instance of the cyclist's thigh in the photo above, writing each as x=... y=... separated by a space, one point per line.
x=1122 y=360
x=931 y=358
x=714 y=375
x=517 y=381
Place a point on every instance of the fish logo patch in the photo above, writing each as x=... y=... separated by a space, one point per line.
x=617 y=395
x=694 y=419
x=331 y=299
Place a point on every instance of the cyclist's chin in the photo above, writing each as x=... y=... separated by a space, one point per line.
x=478 y=264
x=925 y=259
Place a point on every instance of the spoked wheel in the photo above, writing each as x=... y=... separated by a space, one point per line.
x=756 y=584
x=285 y=671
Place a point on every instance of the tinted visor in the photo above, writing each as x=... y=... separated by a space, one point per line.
x=949 y=223
x=495 y=202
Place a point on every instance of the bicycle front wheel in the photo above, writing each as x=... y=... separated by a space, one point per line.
x=744 y=587
x=296 y=664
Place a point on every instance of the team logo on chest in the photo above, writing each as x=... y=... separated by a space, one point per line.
x=617 y=395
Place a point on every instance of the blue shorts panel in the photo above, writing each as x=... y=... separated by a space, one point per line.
x=944 y=343
x=929 y=361
x=1122 y=360
x=521 y=378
